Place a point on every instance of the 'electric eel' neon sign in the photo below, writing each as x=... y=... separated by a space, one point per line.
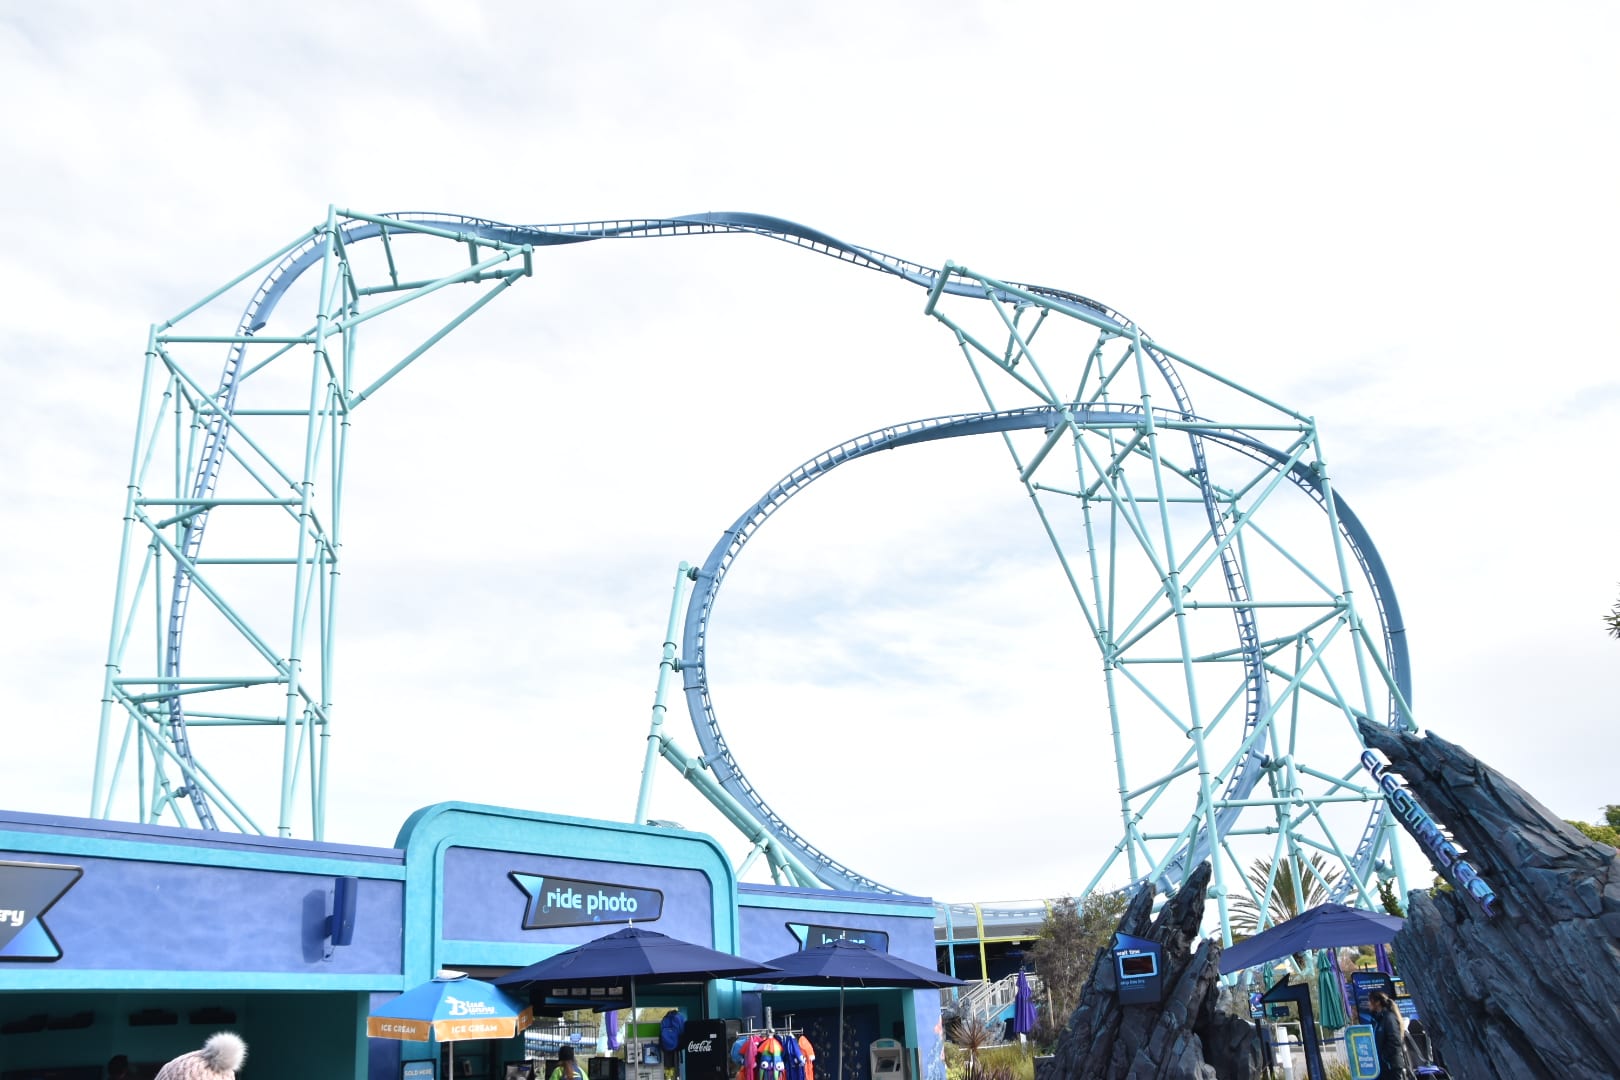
x=1420 y=823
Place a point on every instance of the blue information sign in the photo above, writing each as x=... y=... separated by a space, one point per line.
x=1137 y=960
x=1362 y=985
x=421 y=1069
x=1362 y=1050
x=811 y=936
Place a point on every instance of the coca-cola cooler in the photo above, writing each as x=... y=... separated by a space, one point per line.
x=707 y=1047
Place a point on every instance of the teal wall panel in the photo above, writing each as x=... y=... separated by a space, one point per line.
x=306 y=1035
x=444 y=868
x=285 y=1032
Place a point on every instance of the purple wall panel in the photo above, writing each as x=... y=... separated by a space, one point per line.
x=159 y=916
x=482 y=903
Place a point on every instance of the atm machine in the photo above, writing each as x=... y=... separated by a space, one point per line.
x=888 y=1059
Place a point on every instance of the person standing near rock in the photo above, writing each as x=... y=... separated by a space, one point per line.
x=1387 y=1033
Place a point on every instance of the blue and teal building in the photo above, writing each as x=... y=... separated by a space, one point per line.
x=142 y=940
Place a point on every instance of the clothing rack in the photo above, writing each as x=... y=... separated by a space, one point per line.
x=784 y=1052
x=771 y=1029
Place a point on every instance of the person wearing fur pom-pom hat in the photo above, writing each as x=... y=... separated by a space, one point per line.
x=219 y=1059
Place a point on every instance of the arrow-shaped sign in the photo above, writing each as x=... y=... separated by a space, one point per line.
x=27 y=891
x=554 y=901
x=809 y=936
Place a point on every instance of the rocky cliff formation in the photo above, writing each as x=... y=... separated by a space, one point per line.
x=1187 y=1036
x=1535 y=990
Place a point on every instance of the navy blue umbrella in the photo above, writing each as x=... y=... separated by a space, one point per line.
x=626 y=957
x=1023 y=1006
x=846 y=963
x=849 y=963
x=1326 y=926
x=633 y=953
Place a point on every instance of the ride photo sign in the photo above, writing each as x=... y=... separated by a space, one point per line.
x=555 y=901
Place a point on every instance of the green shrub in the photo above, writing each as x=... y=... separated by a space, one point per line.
x=1009 y=1062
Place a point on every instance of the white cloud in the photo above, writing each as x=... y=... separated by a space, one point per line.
x=1395 y=220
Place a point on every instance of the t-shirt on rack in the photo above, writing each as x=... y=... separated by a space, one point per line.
x=774 y=1054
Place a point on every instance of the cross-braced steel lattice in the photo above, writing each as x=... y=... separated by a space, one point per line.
x=1241 y=615
x=250 y=457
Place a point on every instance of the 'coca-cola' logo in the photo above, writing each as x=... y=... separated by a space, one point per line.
x=705 y=1046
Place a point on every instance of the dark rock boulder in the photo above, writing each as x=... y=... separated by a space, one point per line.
x=1231 y=1044
x=1168 y=1041
x=1534 y=991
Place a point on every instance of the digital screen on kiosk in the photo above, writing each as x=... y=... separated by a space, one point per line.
x=1138 y=967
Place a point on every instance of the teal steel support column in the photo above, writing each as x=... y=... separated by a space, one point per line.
x=1173 y=593
x=307 y=528
x=782 y=861
x=237 y=422
x=100 y=792
x=666 y=667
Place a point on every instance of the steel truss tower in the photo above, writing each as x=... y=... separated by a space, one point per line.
x=1242 y=615
x=1242 y=618
x=254 y=455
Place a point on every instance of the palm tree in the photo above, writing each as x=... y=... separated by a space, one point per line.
x=1299 y=885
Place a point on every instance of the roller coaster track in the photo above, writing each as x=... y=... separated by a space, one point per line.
x=513 y=243
x=303 y=256
x=717 y=753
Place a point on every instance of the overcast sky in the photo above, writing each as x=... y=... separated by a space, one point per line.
x=1399 y=218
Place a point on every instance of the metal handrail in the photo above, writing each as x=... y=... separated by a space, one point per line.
x=985 y=1000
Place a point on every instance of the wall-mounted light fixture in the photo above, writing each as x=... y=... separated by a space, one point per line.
x=340 y=924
